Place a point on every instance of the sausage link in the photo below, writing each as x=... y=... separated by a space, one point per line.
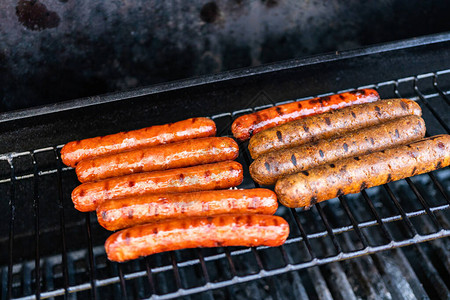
x=218 y=231
x=175 y=155
x=76 y=151
x=127 y=212
x=247 y=125
x=268 y=167
x=330 y=124
x=222 y=175
x=351 y=175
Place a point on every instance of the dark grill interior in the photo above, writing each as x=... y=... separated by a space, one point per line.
x=67 y=256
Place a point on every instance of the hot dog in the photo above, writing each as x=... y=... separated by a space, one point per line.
x=127 y=212
x=268 y=167
x=330 y=124
x=354 y=174
x=218 y=231
x=76 y=151
x=175 y=155
x=247 y=125
x=222 y=175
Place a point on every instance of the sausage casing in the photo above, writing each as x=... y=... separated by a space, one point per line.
x=222 y=175
x=247 y=125
x=354 y=174
x=219 y=231
x=127 y=212
x=268 y=167
x=76 y=151
x=329 y=124
x=170 y=156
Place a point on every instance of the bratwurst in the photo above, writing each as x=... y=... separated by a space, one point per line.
x=354 y=174
x=218 y=231
x=76 y=151
x=170 y=156
x=127 y=212
x=268 y=167
x=222 y=175
x=329 y=124
x=247 y=125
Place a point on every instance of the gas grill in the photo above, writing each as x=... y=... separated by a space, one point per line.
x=344 y=248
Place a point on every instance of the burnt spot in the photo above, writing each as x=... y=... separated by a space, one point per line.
x=314 y=101
x=181 y=177
x=363 y=186
x=362 y=92
x=353 y=115
x=77 y=142
x=184 y=226
x=207 y=174
x=299 y=105
x=441 y=145
x=279 y=110
x=321 y=153
x=142 y=155
x=127 y=237
x=420 y=124
x=313 y=200
x=378 y=110
x=104 y=215
x=339 y=193
x=294 y=160
x=221 y=221
x=131 y=183
x=345 y=146
x=439 y=165
x=130 y=214
x=389 y=178
x=403 y=105
x=279 y=136
x=397 y=134
x=82 y=193
x=250 y=131
x=35 y=16
x=341 y=97
x=209 y=12
x=155 y=230
x=194 y=120
x=382 y=151
x=325 y=99
x=305 y=128
x=248 y=221
x=327 y=120
x=356 y=158
x=275 y=222
x=306 y=173
x=332 y=165
x=266 y=164
x=372 y=141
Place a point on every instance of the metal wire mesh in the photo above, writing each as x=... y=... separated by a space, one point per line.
x=67 y=257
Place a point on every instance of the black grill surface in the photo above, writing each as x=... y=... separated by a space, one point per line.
x=45 y=240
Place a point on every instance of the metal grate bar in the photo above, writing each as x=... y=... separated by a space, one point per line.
x=329 y=229
x=37 y=261
x=12 y=205
x=230 y=262
x=377 y=216
x=91 y=256
x=439 y=90
x=176 y=272
x=303 y=233
x=149 y=275
x=400 y=209
x=352 y=218
x=439 y=187
x=62 y=222
x=123 y=285
x=203 y=265
x=424 y=204
x=431 y=108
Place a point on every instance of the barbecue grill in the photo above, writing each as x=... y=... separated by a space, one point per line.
x=345 y=248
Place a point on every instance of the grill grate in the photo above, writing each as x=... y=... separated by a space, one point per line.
x=63 y=255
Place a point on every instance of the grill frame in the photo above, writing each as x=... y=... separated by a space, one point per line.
x=122 y=277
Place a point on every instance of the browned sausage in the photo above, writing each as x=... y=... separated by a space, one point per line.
x=175 y=155
x=247 y=125
x=267 y=168
x=354 y=174
x=222 y=175
x=219 y=231
x=330 y=124
x=76 y=151
x=127 y=212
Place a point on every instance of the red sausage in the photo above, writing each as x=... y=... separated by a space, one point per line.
x=175 y=155
x=218 y=231
x=247 y=125
x=222 y=175
x=76 y=151
x=127 y=212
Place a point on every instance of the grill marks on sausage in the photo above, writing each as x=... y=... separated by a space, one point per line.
x=294 y=160
x=353 y=114
x=131 y=183
x=279 y=136
x=389 y=178
x=306 y=173
x=266 y=164
x=313 y=201
x=327 y=120
x=321 y=153
x=397 y=134
x=345 y=146
x=363 y=186
x=403 y=105
x=305 y=128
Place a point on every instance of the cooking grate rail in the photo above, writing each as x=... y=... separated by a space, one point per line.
x=329 y=232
